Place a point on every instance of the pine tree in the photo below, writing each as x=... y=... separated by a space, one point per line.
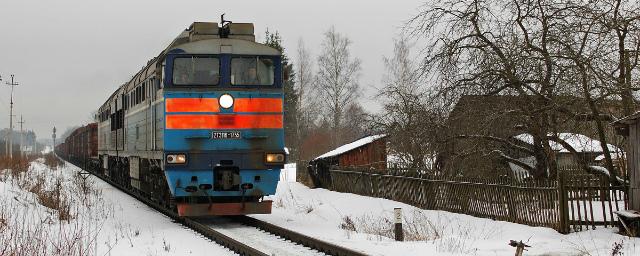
x=290 y=95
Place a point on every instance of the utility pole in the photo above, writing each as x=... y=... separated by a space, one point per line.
x=35 y=144
x=12 y=84
x=7 y=139
x=54 y=140
x=21 y=136
x=6 y=145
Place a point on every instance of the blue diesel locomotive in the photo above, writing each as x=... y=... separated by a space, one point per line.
x=200 y=127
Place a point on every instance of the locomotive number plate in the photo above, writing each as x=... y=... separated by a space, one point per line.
x=225 y=135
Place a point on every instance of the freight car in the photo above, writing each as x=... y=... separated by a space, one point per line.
x=80 y=146
x=200 y=127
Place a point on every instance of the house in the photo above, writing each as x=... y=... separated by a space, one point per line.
x=589 y=150
x=369 y=152
x=480 y=129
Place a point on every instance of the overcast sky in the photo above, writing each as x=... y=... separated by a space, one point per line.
x=70 y=55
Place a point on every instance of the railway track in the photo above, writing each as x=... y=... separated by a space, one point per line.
x=246 y=235
x=257 y=238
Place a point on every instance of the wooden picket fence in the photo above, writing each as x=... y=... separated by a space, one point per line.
x=591 y=201
x=570 y=203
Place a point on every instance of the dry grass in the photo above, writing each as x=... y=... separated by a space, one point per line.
x=448 y=235
x=417 y=228
x=53 y=161
x=60 y=216
x=348 y=224
x=617 y=248
x=15 y=165
x=54 y=199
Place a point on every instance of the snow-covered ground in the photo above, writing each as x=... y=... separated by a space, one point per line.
x=106 y=222
x=109 y=222
x=321 y=213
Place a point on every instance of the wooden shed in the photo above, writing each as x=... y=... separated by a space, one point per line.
x=370 y=151
x=630 y=128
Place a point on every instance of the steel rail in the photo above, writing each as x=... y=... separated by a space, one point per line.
x=293 y=236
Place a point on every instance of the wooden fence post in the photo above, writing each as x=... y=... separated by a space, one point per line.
x=563 y=204
x=511 y=204
x=399 y=234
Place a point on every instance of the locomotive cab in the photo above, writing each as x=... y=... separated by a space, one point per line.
x=223 y=121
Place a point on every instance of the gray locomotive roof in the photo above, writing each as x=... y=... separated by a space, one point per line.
x=238 y=46
x=206 y=41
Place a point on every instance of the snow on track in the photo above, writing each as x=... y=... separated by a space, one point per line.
x=256 y=238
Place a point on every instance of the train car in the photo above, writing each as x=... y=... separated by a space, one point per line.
x=61 y=150
x=81 y=146
x=200 y=127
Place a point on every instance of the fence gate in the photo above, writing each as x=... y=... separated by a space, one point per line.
x=590 y=200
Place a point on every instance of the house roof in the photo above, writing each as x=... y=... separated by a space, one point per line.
x=579 y=142
x=502 y=115
x=351 y=146
x=613 y=156
x=630 y=119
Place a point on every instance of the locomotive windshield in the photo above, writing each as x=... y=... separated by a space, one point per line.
x=196 y=71
x=252 y=71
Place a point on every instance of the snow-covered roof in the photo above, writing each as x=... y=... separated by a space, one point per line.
x=351 y=146
x=614 y=156
x=579 y=142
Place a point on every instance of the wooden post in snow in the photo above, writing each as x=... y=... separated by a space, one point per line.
x=397 y=214
x=563 y=204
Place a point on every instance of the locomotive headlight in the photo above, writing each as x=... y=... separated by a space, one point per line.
x=274 y=158
x=226 y=101
x=177 y=159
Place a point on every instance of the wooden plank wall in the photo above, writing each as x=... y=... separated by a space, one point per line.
x=371 y=155
x=633 y=159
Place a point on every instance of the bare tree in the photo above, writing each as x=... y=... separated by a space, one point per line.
x=407 y=117
x=307 y=103
x=599 y=62
x=557 y=59
x=337 y=78
x=621 y=18
x=478 y=49
x=355 y=122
